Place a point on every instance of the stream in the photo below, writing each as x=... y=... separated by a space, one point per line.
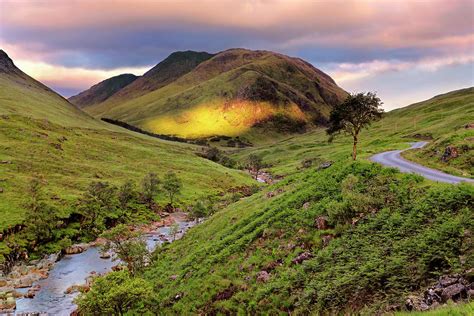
x=74 y=270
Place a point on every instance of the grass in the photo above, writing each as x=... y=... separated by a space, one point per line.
x=449 y=310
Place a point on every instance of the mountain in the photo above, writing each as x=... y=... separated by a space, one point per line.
x=174 y=66
x=229 y=93
x=19 y=93
x=102 y=91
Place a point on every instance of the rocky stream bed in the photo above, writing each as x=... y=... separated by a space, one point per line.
x=48 y=286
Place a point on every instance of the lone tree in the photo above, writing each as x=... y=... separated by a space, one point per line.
x=254 y=164
x=358 y=111
x=150 y=188
x=172 y=185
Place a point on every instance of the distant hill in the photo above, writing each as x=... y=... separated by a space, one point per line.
x=102 y=91
x=194 y=94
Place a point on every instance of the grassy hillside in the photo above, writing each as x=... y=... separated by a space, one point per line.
x=355 y=237
x=229 y=94
x=442 y=118
x=384 y=237
x=102 y=91
x=41 y=134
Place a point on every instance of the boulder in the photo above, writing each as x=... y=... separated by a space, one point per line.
x=321 y=222
x=263 y=276
x=325 y=165
x=450 y=152
x=26 y=281
x=75 y=249
x=302 y=257
x=105 y=255
x=415 y=303
x=454 y=292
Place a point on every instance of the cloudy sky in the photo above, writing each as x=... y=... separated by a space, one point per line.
x=405 y=50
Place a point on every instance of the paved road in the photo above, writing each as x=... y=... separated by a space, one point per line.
x=393 y=159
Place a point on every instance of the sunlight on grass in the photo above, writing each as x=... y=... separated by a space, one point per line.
x=231 y=119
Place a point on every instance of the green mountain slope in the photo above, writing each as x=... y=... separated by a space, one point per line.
x=352 y=238
x=102 y=91
x=20 y=93
x=43 y=135
x=171 y=68
x=229 y=94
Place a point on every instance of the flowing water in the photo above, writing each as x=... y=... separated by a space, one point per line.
x=74 y=270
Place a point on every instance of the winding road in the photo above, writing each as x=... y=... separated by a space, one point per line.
x=394 y=159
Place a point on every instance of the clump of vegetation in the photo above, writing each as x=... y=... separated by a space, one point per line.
x=116 y=294
x=172 y=185
x=358 y=111
x=150 y=188
x=128 y=246
x=217 y=155
x=254 y=165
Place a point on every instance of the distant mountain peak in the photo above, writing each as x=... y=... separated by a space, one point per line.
x=6 y=63
x=102 y=90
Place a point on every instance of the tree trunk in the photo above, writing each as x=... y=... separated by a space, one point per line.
x=354 y=148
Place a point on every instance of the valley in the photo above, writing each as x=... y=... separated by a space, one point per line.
x=327 y=235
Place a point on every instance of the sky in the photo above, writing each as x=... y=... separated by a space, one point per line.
x=404 y=50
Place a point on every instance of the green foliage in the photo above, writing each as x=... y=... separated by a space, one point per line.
x=99 y=207
x=116 y=293
x=42 y=218
x=128 y=246
x=217 y=155
x=254 y=164
x=150 y=188
x=174 y=229
x=171 y=185
x=198 y=210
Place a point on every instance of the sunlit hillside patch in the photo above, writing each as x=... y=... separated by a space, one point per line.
x=229 y=118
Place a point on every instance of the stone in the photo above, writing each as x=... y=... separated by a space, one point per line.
x=414 y=303
x=450 y=152
x=447 y=280
x=105 y=255
x=454 y=292
x=325 y=165
x=469 y=126
x=321 y=222
x=306 y=205
x=302 y=257
x=263 y=276
x=173 y=277
x=75 y=249
x=1 y=190
x=26 y=281
x=326 y=239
